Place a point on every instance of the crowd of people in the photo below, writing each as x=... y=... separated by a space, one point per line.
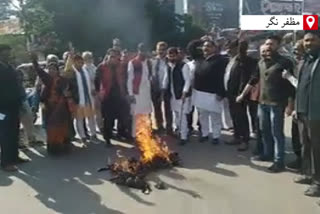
x=82 y=98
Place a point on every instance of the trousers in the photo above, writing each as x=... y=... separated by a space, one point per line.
x=271 y=118
x=9 y=137
x=240 y=120
x=181 y=124
x=310 y=138
x=158 y=110
x=80 y=127
x=27 y=121
x=211 y=120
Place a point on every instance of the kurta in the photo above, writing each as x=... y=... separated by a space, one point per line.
x=143 y=104
x=208 y=84
x=207 y=101
x=85 y=106
x=176 y=104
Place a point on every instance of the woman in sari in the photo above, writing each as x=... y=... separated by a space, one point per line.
x=56 y=108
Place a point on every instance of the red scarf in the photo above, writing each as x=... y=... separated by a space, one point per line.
x=107 y=78
x=137 y=72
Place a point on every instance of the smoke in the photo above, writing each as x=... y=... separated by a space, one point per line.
x=124 y=19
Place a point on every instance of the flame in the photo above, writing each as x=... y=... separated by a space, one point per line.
x=149 y=146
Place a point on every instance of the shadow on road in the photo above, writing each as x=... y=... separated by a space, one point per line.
x=60 y=182
x=5 y=180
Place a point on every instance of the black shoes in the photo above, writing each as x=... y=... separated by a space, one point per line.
x=108 y=143
x=233 y=142
x=262 y=158
x=276 y=168
x=160 y=131
x=243 y=147
x=182 y=142
x=303 y=180
x=215 y=141
x=313 y=191
x=295 y=165
x=21 y=160
x=204 y=139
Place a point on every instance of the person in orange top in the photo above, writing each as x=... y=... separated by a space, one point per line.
x=56 y=108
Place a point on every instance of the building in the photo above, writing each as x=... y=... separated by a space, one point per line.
x=181 y=6
x=10 y=26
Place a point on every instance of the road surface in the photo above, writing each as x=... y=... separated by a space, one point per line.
x=212 y=180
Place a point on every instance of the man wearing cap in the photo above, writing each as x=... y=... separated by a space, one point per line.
x=11 y=96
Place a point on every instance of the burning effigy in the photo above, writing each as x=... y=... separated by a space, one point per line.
x=154 y=155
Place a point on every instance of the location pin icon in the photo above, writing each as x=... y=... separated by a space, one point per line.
x=310 y=21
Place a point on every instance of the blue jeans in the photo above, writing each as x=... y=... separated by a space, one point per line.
x=33 y=98
x=271 y=122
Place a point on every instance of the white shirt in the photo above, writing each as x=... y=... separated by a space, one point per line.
x=186 y=76
x=228 y=72
x=162 y=68
x=192 y=67
x=143 y=103
x=176 y=105
x=91 y=69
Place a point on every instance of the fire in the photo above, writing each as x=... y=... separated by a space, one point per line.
x=155 y=155
x=151 y=147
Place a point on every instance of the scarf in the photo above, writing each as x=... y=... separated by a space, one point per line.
x=84 y=87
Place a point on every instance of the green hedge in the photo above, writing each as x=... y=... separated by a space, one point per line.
x=18 y=45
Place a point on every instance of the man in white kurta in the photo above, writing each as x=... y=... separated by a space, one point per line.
x=92 y=69
x=139 y=86
x=178 y=78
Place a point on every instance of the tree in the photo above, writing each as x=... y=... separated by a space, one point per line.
x=37 y=23
x=91 y=25
x=5 y=9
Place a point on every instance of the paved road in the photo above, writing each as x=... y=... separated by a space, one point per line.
x=213 y=180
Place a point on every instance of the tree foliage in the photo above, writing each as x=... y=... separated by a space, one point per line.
x=5 y=9
x=91 y=25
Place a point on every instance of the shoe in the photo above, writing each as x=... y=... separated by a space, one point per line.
x=253 y=135
x=83 y=142
x=243 y=147
x=23 y=147
x=22 y=160
x=204 y=139
x=313 y=191
x=10 y=168
x=182 y=142
x=108 y=143
x=169 y=132
x=160 y=131
x=262 y=158
x=295 y=165
x=94 y=140
x=276 y=168
x=215 y=141
x=303 y=180
x=36 y=143
x=318 y=203
x=233 y=142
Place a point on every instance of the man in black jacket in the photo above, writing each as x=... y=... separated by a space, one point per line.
x=209 y=91
x=238 y=74
x=11 y=97
x=308 y=112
